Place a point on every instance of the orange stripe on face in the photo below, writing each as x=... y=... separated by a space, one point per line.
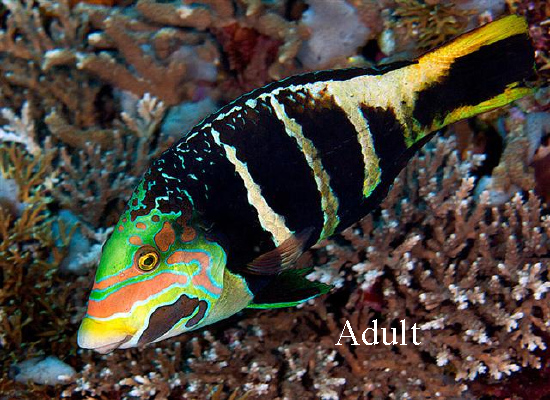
x=202 y=278
x=123 y=299
x=166 y=237
x=187 y=257
x=113 y=280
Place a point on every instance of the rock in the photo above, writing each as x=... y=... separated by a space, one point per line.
x=336 y=32
x=44 y=371
x=9 y=196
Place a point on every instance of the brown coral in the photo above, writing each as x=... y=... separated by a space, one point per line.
x=29 y=251
x=37 y=39
x=477 y=293
x=249 y=55
x=429 y=23
x=537 y=13
x=176 y=62
x=473 y=277
x=109 y=3
x=96 y=180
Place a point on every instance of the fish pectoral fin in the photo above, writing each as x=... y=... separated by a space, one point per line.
x=282 y=257
x=288 y=289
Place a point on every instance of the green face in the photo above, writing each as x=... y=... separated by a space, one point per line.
x=158 y=277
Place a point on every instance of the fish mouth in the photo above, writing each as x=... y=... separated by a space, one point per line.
x=102 y=336
x=107 y=348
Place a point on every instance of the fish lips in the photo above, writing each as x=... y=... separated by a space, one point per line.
x=95 y=335
x=107 y=348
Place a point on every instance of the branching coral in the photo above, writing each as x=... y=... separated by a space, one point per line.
x=164 y=78
x=34 y=239
x=29 y=255
x=460 y=271
x=20 y=130
x=172 y=63
x=111 y=172
x=429 y=23
x=38 y=37
x=48 y=50
x=102 y=172
x=522 y=165
x=537 y=12
x=473 y=277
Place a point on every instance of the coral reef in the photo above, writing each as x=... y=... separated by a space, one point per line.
x=35 y=39
x=29 y=256
x=537 y=13
x=425 y=24
x=111 y=172
x=515 y=144
x=523 y=136
x=477 y=293
x=92 y=91
x=472 y=276
x=172 y=63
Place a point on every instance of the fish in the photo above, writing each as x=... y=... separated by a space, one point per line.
x=217 y=223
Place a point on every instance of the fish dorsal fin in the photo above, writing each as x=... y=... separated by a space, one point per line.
x=282 y=257
x=288 y=289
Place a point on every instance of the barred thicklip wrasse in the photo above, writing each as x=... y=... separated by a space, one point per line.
x=219 y=219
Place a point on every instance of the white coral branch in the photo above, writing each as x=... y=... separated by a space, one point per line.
x=149 y=112
x=20 y=129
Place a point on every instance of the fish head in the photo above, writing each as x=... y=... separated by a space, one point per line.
x=158 y=277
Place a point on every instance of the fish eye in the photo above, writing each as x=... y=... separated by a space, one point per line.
x=147 y=258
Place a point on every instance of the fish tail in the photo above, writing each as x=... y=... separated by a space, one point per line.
x=481 y=70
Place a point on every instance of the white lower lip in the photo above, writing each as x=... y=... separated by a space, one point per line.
x=112 y=346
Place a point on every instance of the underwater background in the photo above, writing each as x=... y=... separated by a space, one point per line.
x=92 y=91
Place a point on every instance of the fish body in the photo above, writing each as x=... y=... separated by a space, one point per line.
x=219 y=219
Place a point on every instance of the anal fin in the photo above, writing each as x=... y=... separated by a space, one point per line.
x=288 y=289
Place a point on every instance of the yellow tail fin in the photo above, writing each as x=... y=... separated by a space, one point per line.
x=476 y=72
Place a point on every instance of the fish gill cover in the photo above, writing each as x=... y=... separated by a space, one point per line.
x=92 y=91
